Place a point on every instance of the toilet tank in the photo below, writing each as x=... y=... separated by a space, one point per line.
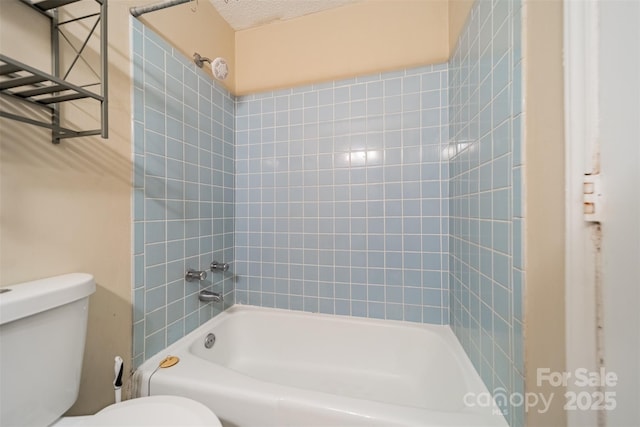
x=43 y=326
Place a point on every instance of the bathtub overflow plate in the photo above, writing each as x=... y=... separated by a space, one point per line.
x=210 y=340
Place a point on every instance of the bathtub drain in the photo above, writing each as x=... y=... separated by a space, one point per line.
x=210 y=340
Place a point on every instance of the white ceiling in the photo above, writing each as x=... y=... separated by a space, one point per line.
x=243 y=14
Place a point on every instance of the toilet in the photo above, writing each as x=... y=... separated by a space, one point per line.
x=43 y=327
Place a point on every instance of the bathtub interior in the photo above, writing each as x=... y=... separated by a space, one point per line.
x=379 y=361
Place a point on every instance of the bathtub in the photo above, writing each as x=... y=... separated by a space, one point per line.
x=271 y=367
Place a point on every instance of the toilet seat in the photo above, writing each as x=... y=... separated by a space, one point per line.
x=151 y=411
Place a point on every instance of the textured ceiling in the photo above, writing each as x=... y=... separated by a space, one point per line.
x=243 y=14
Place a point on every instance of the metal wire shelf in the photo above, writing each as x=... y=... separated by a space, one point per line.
x=22 y=83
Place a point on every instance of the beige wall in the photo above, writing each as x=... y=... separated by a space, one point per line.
x=67 y=208
x=544 y=159
x=357 y=39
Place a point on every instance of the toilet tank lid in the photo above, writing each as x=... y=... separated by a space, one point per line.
x=29 y=298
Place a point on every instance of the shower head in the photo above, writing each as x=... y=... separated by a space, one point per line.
x=219 y=66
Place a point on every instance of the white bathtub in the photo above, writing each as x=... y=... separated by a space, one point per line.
x=272 y=367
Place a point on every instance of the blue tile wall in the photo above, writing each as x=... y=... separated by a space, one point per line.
x=183 y=196
x=396 y=195
x=486 y=193
x=342 y=197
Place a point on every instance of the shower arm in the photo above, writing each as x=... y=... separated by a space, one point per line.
x=200 y=60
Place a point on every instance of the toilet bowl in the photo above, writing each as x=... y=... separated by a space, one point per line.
x=147 y=411
x=44 y=321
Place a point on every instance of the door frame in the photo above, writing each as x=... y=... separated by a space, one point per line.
x=581 y=33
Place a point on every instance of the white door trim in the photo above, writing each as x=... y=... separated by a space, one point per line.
x=581 y=131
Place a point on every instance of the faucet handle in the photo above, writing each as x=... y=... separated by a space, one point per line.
x=193 y=275
x=219 y=266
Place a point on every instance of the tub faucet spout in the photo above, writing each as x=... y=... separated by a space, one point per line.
x=208 y=296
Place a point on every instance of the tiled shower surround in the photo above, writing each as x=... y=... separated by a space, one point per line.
x=341 y=197
x=183 y=133
x=486 y=186
x=395 y=195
